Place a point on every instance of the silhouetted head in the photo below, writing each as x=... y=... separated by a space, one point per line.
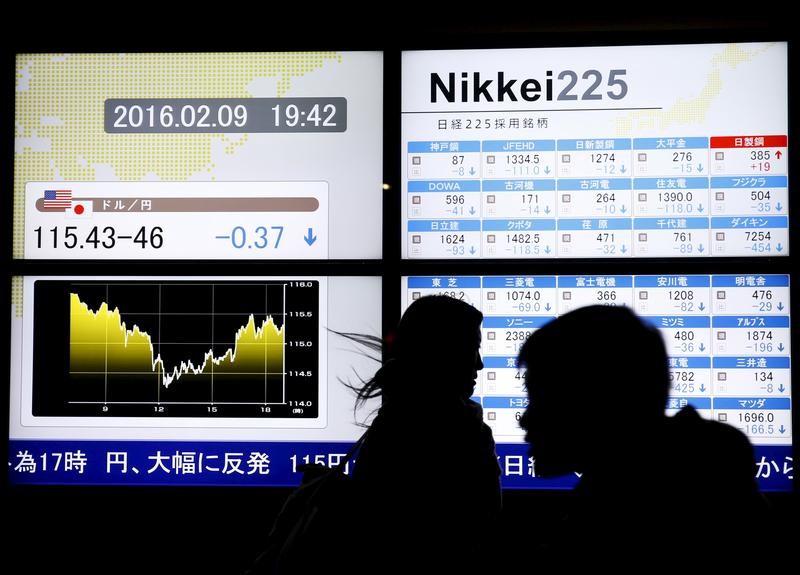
x=437 y=343
x=596 y=376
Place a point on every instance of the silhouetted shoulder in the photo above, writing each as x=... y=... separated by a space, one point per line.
x=422 y=447
x=714 y=451
x=598 y=379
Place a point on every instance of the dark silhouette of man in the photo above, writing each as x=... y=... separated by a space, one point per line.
x=651 y=487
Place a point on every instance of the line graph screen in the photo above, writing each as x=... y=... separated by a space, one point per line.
x=196 y=349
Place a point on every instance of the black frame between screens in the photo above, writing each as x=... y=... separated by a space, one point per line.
x=545 y=32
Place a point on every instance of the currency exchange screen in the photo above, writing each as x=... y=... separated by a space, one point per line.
x=198 y=156
x=202 y=376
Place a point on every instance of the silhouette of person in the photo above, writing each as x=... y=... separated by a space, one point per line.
x=427 y=470
x=651 y=486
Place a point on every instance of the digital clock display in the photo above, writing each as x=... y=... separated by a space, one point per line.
x=224 y=115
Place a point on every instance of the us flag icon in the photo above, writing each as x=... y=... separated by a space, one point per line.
x=57 y=200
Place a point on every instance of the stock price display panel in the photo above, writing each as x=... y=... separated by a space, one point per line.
x=185 y=380
x=727 y=336
x=198 y=156
x=602 y=152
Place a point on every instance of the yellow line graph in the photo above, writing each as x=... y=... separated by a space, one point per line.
x=100 y=342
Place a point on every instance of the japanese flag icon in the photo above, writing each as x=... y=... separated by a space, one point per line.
x=80 y=209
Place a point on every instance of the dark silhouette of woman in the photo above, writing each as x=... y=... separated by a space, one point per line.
x=427 y=470
x=652 y=487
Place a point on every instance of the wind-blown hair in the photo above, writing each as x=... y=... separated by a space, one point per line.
x=434 y=332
